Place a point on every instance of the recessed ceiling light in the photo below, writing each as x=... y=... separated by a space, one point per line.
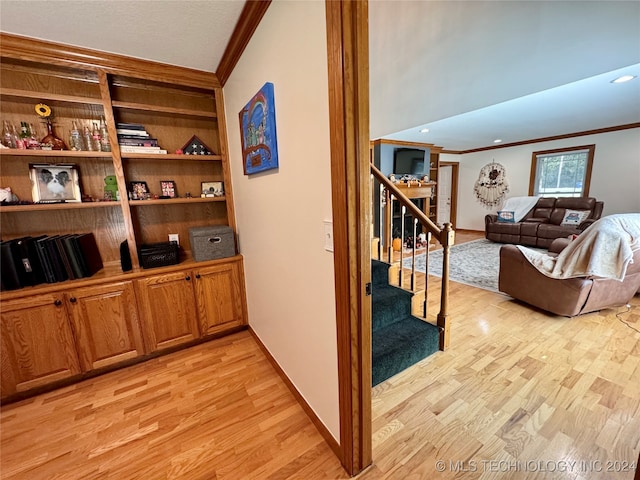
x=424 y=130
x=624 y=78
x=497 y=140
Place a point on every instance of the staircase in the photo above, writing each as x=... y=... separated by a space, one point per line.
x=398 y=339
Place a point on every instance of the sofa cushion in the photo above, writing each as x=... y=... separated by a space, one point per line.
x=529 y=229
x=576 y=203
x=543 y=208
x=537 y=220
x=574 y=217
x=505 y=228
x=554 y=231
x=505 y=216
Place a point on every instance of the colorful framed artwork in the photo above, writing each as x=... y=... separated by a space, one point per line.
x=168 y=189
x=258 y=132
x=52 y=183
x=139 y=190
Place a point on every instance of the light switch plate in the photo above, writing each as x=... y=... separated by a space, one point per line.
x=328 y=236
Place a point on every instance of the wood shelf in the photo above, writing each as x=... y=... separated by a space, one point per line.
x=161 y=109
x=54 y=153
x=37 y=207
x=171 y=156
x=16 y=93
x=112 y=272
x=169 y=201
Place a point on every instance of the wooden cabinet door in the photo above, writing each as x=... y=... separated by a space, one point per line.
x=37 y=343
x=220 y=297
x=105 y=322
x=167 y=309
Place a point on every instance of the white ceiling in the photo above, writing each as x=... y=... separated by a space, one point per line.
x=470 y=71
x=188 y=33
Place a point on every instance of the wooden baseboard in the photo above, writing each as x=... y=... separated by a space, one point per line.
x=326 y=434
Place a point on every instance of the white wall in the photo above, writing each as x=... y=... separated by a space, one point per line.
x=615 y=176
x=289 y=274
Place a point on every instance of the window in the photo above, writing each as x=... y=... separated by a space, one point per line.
x=565 y=172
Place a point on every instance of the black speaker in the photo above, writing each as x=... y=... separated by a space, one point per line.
x=125 y=257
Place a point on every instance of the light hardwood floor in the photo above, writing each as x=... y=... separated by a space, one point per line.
x=517 y=387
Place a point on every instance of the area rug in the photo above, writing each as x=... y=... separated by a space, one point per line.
x=475 y=263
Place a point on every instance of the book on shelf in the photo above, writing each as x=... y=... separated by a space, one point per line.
x=10 y=275
x=130 y=126
x=73 y=256
x=131 y=149
x=138 y=142
x=133 y=133
x=29 y=261
x=89 y=253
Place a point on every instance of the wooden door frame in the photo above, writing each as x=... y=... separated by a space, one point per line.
x=455 y=167
x=348 y=68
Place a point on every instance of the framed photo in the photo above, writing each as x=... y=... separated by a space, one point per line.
x=139 y=190
x=258 y=132
x=54 y=182
x=168 y=188
x=212 y=189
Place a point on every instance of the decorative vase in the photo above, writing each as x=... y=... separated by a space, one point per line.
x=55 y=142
x=396 y=244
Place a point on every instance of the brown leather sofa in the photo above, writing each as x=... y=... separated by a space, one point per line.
x=567 y=297
x=541 y=225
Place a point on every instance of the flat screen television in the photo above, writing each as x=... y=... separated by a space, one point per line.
x=409 y=161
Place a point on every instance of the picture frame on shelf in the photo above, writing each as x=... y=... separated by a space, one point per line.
x=139 y=190
x=212 y=189
x=55 y=182
x=168 y=189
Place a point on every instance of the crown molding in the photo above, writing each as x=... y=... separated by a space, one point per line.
x=31 y=49
x=249 y=20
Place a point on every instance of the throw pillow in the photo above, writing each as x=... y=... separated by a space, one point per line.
x=573 y=218
x=506 y=216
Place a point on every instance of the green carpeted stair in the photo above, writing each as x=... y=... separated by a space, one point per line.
x=398 y=339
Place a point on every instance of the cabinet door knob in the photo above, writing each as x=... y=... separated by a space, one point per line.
x=187 y=278
x=57 y=303
x=197 y=275
x=73 y=300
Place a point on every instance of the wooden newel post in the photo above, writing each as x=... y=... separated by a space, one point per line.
x=447 y=239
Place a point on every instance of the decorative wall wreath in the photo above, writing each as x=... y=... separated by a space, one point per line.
x=492 y=185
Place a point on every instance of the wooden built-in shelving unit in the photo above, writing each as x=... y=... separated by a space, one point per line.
x=173 y=104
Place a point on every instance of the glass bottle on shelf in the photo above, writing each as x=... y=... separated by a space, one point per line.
x=51 y=138
x=15 y=135
x=32 y=141
x=88 y=138
x=7 y=137
x=104 y=136
x=23 y=137
x=75 y=139
x=95 y=136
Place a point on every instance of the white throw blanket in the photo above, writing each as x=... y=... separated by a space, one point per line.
x=605 y=249
x=519 y=206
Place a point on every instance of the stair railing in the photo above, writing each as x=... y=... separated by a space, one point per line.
x=445 y=235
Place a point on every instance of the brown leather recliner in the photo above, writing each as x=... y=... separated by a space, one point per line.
x=542 y=224
x=567 y=297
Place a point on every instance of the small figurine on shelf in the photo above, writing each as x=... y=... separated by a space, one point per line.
x=111 y=188
x=50 y=139
x=7 y=196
